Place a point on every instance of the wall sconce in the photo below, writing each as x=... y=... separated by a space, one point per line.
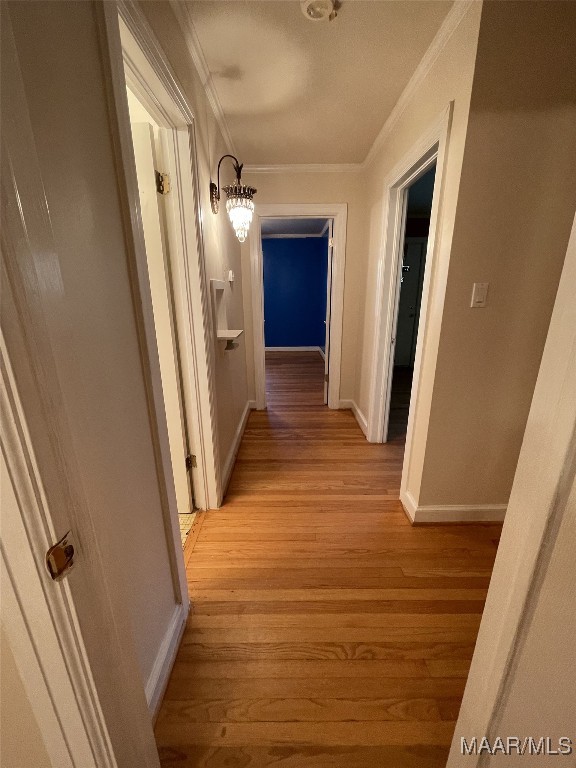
x=239 y=203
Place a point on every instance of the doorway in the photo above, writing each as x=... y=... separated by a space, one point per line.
x=429 y=151
x=297 y=270
x=336 y=214
x=169 y=145
x=418 y=206
x=148 y=140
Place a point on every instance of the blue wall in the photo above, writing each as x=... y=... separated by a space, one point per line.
x=295 y=273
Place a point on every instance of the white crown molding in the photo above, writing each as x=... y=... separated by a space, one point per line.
x=447 y=29
x=305 y=168
x=183 y=16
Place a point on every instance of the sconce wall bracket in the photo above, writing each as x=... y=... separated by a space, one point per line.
x=215 y=188
x=214 y=197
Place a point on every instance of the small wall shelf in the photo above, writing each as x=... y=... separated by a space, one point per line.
x=223 y=333
x=228 y=334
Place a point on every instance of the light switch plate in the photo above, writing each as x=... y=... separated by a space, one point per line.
x=479 y=295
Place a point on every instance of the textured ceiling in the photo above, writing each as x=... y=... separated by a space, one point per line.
x=296 y=91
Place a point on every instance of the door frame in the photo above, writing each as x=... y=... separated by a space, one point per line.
x=431 y=147
x=326 y=353
x=339 y=213
x=150 y=77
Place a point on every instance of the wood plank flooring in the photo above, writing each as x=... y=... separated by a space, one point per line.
x=325 y=630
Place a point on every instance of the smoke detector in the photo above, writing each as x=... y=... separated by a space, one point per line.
x=318 y=10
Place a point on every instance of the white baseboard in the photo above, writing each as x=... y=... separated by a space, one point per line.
x=158 y=679
x=252 y=405
x=360 y=418
x=293 y=349
x=322 y=353
x=234 y=448
x=452 y=513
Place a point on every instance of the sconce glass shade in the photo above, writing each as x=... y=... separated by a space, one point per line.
x=240 y=207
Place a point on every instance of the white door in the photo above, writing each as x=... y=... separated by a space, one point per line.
x=151 y=203
x=56 y=733
x=328 y=309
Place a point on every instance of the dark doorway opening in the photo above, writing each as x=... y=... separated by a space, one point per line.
x=417 y=225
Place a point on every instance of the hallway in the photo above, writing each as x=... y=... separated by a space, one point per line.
x=324 y=629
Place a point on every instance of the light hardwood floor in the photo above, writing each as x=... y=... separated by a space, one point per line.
x=326 y=632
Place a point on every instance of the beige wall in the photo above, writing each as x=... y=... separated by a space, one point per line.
x=449 y=79
x=521 y=681
x=322 y=188
x=21 y=744
x=515 y=206
x=222 y=250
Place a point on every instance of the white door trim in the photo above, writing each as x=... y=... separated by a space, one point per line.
x=339 y=213
x=326 y=354
x=150 y=76
x=431 y=147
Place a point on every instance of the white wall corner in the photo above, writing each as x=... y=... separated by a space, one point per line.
x=359 y=416
x=160 y=673
x=235 y=447
x=409 y=504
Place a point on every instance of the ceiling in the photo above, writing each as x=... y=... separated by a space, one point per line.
x=296 y=91
x=303 y=227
